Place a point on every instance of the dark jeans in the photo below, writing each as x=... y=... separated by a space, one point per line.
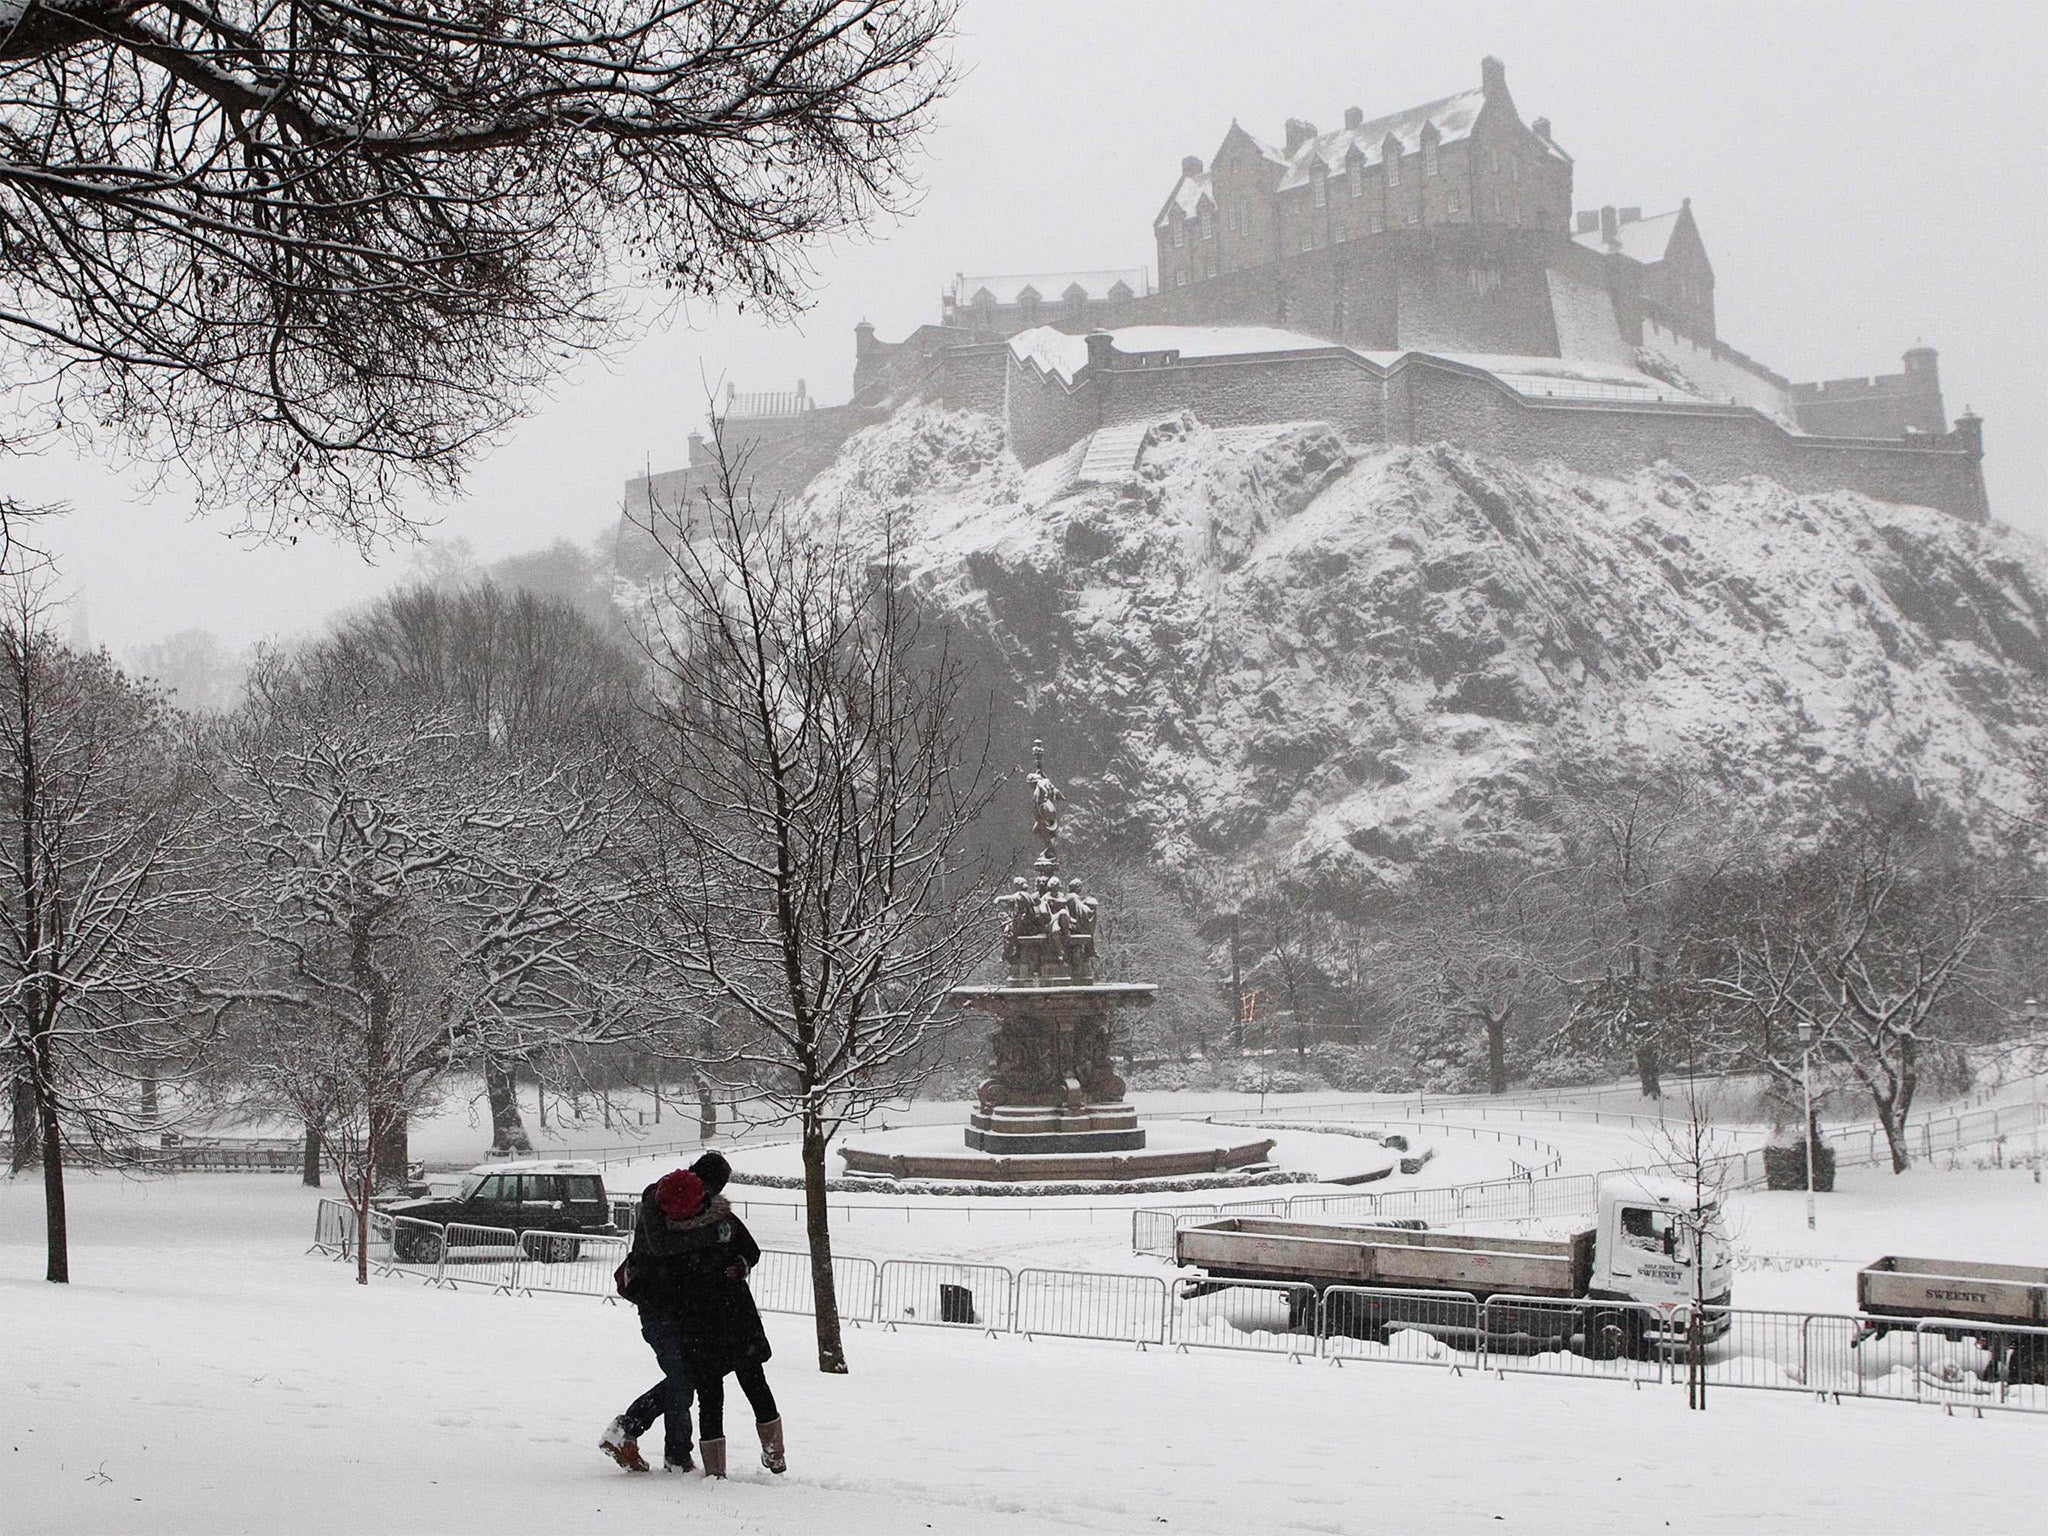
x=711 y=1400
x=669 y=1399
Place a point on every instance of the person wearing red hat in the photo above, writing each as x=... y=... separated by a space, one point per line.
x=687 y=1272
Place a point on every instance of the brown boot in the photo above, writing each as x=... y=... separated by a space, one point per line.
x=713 y=1452
x=771 y=1444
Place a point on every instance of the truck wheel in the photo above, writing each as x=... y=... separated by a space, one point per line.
x=1606 y=1335
x=418 y=1248
x=1301 y=1312
x=562 y=1250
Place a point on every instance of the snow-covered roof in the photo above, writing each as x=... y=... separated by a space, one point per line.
x=1188 y=194
x=1644 y=240
x=1452 y=117
x=1006 y=288
x=1059 y=353
x=537 y=1165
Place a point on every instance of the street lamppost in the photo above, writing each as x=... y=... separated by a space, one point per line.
x=1806 y=1090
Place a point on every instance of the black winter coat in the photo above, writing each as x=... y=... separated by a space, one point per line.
x=682 y=1268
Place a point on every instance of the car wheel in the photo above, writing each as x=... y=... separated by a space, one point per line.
x=563 y=1250
x=418 y=1248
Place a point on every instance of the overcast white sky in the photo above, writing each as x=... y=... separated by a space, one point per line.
x=1865 y=176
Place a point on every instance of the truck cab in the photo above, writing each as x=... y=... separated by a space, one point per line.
x=1654 y=1244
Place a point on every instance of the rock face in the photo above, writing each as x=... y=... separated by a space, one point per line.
x=1268 y=653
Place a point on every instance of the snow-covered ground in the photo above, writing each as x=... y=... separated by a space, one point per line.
x=202 y=1375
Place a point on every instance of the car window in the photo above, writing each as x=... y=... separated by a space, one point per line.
x=471 y=1183
x=540 y=1188
x=498 y=1186
x=585 y=1186
x=1645 y=1228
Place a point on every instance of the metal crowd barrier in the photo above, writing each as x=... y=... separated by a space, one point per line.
x=1612 y=1340
x=481 y=1256
x=1272 y=1316
x=1916 y=1360
x=334 y=1229
x=569 y=1264
x=946 y=1295
x=782 y=1283
x=1073 y=1304
x=1363 y=1322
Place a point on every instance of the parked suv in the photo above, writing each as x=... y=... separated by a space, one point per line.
x=565 y=1197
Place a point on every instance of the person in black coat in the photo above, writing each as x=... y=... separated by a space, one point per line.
x=688 y=1274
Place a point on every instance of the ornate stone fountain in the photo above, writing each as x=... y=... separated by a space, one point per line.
x=1053 y=1105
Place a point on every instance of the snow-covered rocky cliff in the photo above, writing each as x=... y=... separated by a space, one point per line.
x=1268 y=651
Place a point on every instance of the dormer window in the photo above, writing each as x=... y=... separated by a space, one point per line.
x=1394 y=168
x=1429 y=157
x=1322 y=187
x=1180 y=233
x=1208 y=222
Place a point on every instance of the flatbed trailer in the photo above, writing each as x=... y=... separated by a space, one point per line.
x=1989 y=1303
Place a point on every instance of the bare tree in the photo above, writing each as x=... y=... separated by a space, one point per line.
x=1637 y=838
x=532 y=681
x=100 y=859
x=813 y=773
x=312 y=250
x=404 y=900
x=1877 y=942
x=1148 y=933
x=1464 y=947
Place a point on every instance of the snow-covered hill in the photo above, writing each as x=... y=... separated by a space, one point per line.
x=1268 y=649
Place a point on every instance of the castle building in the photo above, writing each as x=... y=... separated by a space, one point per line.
x=1418 y=276
x=1465 y=160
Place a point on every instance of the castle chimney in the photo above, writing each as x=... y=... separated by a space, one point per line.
x=1354 y=117
x=1608 y=225
x=1589 y=220
x=1191 y=165
x=1493 y=76
x=1299 y=132
x=1541 y=128
x=698 y=445
x=1631 y=215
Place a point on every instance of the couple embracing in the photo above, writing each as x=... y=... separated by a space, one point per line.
x=687 y=1273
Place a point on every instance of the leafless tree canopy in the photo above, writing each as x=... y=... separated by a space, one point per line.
x=312 y=248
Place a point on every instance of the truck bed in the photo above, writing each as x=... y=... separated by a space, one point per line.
x=1997 y=1293
x=1327 y=1253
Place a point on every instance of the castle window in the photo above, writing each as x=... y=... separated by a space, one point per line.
x=1322 y=186
x=1393 y=170
x=1208 y=222
x=1429 y=157
x=1358 y=178
x=1451 y=200
x=1308 y=240
x=1414 y=217
x=1180 y=233
x=1376 y=224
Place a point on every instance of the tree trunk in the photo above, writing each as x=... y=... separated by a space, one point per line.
x=390 y=1154
x=1893 y=1124
x=152 y=1108
x=1647 y=1069
x=1496 y=1054
x=59 y=1271
x=508 y=1130
x=27 y=1119
x=707 y=1110
x=831 y=1351
x=309 y=1172
x=360 y=1196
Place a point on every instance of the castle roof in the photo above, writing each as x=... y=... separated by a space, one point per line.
x=1645 y=240
x=1452 y=118
x=1007 y=288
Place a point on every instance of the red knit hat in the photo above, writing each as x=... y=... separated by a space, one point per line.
x=680 y=1194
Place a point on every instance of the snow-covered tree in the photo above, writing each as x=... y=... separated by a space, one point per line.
x=313 y=250
x=102 y=872
x=813 y=772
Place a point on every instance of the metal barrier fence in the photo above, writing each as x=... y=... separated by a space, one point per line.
x=1268 y=1315
x=569 y=1266
x=946 y=1295
x=480 y=1256
x=1078 y=1305
x=782 y=1283
x=334 y=1229
x=1914 y=1360
x=1362 y=1322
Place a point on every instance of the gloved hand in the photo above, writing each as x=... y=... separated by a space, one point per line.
x=736 y=1270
